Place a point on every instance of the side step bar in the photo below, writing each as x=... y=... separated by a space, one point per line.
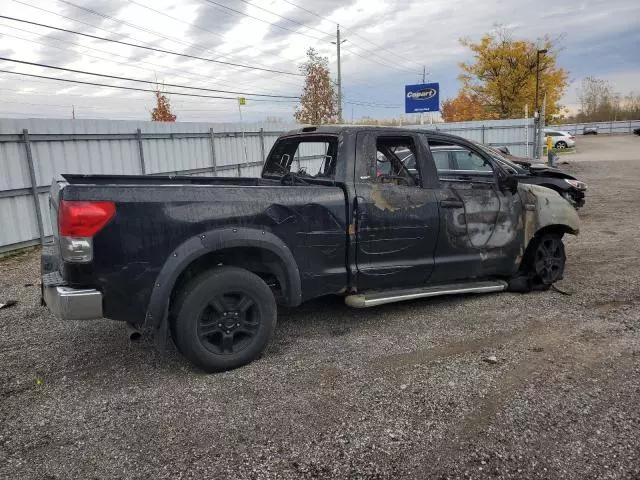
x=373 y=299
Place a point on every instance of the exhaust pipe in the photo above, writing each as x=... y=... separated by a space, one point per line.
x=133 y=333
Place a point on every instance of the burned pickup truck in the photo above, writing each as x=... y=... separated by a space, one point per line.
x=206 y=261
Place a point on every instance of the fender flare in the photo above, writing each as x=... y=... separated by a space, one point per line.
x=156 y=320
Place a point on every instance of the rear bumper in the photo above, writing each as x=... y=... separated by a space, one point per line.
x=73 y=304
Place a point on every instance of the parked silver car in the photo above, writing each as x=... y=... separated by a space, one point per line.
x=561 y=138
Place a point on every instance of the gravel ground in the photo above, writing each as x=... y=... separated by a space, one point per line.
x=400 y=391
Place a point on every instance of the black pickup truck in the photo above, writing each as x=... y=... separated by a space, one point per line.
x=207 y=260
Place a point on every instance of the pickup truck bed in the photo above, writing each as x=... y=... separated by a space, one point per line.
x=156 y=215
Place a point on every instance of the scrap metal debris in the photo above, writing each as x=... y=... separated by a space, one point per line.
x=8 y=303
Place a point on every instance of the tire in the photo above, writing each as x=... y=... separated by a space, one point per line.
x=545 y=260
x=223 y=319
x=561 y=145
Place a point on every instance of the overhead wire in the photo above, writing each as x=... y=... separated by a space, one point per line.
x=155 y=49
x=128 y=63
x=374 y=60
x=395 y=55
x=208 y=78
x=122 y=87
x=143 y=29
x=129 y=79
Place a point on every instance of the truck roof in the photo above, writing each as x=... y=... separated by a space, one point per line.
x=341 y=128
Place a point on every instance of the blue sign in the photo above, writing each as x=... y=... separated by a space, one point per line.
x=424 y=97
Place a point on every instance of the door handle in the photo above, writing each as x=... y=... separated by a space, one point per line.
x=451 y=204
x=358 y=210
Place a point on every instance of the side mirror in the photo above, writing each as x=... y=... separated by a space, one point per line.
x=507 y=182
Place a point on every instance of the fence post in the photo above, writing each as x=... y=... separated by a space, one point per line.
x=239 y=170
x=213 y=152
x=483 y=133
x=141 y=151
x=34 y=183
x=262 y=143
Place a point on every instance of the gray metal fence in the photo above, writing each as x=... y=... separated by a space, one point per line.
x=33 y=151
x=516 y=134
x=609 y=128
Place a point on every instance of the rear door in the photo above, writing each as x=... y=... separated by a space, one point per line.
x=481 y=231
x=397 y=218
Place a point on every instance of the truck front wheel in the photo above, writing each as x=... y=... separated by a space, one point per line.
x=546 y=259
x=224 y=318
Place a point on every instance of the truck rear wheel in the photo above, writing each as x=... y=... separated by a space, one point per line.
x=224 y=318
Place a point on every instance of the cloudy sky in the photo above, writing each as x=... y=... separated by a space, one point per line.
x=387 y=44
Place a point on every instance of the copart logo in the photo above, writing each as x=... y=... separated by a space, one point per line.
x=424 y=94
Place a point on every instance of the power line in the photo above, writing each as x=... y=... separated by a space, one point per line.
x=262 y=20
x=136 y=89
x=285 y=18
x=351 y=32
x=154 y=49
x=381 y=47
x=124 y=22
x=129 y=79
x=128 y=64
x=371 y=52
x=308 y=11
x=193 y=25
x=126 y=36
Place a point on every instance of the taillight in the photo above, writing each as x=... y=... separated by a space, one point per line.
x=78 y=223
x=83 y=219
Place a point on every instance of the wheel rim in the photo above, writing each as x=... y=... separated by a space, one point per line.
x=228 y=323
x=549 y=260
x=561 y=145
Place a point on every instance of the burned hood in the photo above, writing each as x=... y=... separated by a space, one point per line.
x=541 y=170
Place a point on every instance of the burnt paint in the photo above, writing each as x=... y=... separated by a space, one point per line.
x=397 y=225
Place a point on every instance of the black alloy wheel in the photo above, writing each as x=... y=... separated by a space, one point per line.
x=224 y=318
x=548 y=259
x=228 y=322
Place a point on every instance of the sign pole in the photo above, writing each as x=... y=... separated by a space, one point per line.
x=243 y=101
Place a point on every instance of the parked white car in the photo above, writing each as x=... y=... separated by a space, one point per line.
x=561 y=138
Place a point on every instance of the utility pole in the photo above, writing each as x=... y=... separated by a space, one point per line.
x=536 y=148
x=424 y=80
x=337 y=43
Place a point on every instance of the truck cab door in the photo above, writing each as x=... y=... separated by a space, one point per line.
x=481 y=223
x=397 y=218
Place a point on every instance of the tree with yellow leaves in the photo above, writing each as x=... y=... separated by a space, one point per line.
x=466 y=106
x=318 y=102
x=502 y=75
x=162 y=111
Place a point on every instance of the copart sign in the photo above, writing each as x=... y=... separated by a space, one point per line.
x=424 y=97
